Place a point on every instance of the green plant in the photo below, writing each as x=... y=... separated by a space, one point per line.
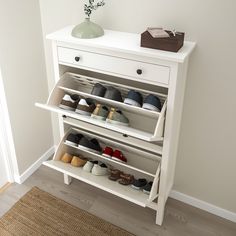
x=92 y=6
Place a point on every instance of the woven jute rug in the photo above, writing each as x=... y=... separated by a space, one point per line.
x=39 y=213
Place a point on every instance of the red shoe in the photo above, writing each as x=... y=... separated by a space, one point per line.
x=118 y=156
x=107 y=152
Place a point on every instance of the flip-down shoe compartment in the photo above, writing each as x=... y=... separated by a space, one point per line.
x=134 y=166
x=143 y=124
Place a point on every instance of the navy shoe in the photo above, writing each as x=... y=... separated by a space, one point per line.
x=113 y=94
x=73 y=139
x=134 y=99
x=90 y=145
x=98 y=90
x=148 y=187
x=152 y=103
x=139 y=183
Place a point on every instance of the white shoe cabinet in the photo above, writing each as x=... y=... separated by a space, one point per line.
x=150 y=142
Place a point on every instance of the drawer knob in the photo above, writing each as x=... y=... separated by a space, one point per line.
x=139 y=71
x=77 y=59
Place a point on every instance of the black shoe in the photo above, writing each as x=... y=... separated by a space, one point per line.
x=139 y=183
x=113 y=94
x=134 y=99
x=98 y=90
x=148 y=187
x=92 y=145
x=73 y=139
x=152 y=103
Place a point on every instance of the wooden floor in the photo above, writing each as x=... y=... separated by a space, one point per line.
x=180 y=219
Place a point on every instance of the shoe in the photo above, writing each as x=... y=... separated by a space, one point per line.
x=147 y=188
x=89 y=165
x=113 y=94
x=73 y=139
x=85 y=107
x=69 y=102
x=116 y=117
x=99 y=169
x=98 y=90
x=134 y=99
x=139 y=183
x=66 y=158
x=90 y=145
x=100 y=113
x=115 y=175
x=107 y=152
x=126 y=179
x=152 y=103
x=78 y=161
x=118 y=156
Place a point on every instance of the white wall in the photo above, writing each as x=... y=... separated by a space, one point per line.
x=24 y=77
x=206 y=158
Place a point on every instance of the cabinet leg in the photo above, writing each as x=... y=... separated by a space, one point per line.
x=67 y=179
x=160 y=210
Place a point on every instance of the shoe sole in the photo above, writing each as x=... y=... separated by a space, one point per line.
x=108 y=156
x=150 y=107
x=114 y=122
x=146 y=192
x=131 y=102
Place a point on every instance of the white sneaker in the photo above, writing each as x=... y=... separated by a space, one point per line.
x=99 y=169
x=88 y=166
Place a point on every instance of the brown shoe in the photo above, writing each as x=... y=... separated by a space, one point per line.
x=78 y=161
x=85 y=107
x=115 y=175
x=69 y=102
x=126 y=179
x=66 y=158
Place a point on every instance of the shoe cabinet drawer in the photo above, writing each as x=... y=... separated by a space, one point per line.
x=134 y=166
x=142 y=72
x=143 y=124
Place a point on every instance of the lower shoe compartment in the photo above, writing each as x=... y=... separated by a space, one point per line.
x=140 y=164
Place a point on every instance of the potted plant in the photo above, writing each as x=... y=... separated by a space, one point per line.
x=89 y=29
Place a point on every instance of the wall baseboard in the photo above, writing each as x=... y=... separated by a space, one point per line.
x=203 y=205
x=20 y=179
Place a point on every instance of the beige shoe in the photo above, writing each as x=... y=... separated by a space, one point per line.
x=78 y=161
x=66 y=158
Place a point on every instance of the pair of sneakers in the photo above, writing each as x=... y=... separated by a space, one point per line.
x=78 y=140
x=108 y=93
x=151 y=102
x=112 y=116
x=77 y=161
x=142 y=184
x=95 y=168
x=115 y=155
x=83 y=106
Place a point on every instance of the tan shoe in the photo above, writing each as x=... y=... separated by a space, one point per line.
x=66 y=158
x=78 y=161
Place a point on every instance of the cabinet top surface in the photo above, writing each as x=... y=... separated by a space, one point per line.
x=122 y=42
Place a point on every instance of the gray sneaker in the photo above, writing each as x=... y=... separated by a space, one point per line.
x=116 y=117
x=100 y=113
x=113 y=94
x=98 y=90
